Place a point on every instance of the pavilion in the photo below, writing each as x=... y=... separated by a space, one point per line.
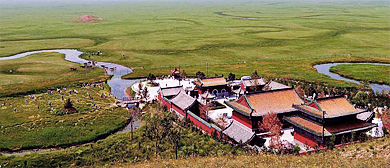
x=251 y=107
x=321 y=118
x=215 y=86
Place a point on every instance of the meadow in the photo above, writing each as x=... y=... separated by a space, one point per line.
x=40 y=121
x=195 y=150
x=284 y=40
x=368 y=73
x=120 y=148
x=38 y=72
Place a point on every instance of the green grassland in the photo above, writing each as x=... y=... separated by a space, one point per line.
x=285 y=40
x=370 y=73
x=47 y=126
x=370 y=154
x=195 y=150
x=33 y=127
x=119 y=148
x=40 y=71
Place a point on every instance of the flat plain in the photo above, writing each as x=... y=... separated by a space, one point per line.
x=281 y=39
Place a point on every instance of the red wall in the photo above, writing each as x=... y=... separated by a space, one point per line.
x=196 y=122
x=305 y=140
x=242 y=86
x=199 y=124
x=199 y=90
x=178 y=110
x=166 y=103
x=242 y=119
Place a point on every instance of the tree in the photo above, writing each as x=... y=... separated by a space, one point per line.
x=145 y=94
x=174 y=137
x=300 y=91
x=322 y=95
x=204 y=110
x=183 y=74
x=360 y=98
x=155 y=128
x=255 y=75
x=222 y=121
x=139 y=91
x=135 y=114
x=200 y=75
x=272 y=124
x=332 y=141
x=254 y=81
x=386 y=120
x=231 y=76
x=68 y=104
x=151 y=77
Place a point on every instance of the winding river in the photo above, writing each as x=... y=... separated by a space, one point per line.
x=324 y=69
x=117 y=84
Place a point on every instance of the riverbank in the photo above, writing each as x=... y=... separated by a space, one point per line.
x=115 y=84
x=42 y=71
x=364 y=72
x=325 y=69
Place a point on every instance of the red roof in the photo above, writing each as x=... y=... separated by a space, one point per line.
x=275 y=101
x=316 y=128
x=332 y=106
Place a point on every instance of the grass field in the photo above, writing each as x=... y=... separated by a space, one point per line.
x=41 y=71
x=119 y=148
x=370 y=73
x=286 y=39
x=197 y=150
x=36 y=124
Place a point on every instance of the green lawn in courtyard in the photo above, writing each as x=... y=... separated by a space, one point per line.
x=370 y=73
x=36 y=124
x=285 y=40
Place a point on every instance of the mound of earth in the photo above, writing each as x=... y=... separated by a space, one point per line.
x=88 y=19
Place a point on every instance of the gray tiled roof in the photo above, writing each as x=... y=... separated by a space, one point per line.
x=239 y=132
x=183 y=101
x=171 y=91
x=254 y=82
x=274 y=86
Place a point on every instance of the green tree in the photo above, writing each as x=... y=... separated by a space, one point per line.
x=231 y=76
x=360 y=98
x=183 y=74
x=151 y=77
x=145 y=94
x=68 y=104
x=332 y=141
x=135 y=115
x=200 y=75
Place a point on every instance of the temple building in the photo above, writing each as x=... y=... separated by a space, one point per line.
x=251 y=107
x=250 y=85
x=239 y=133
x=319 y=119
x=216 y=86
x=170 y=92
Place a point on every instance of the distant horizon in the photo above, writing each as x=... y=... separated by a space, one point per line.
x=97 y=2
